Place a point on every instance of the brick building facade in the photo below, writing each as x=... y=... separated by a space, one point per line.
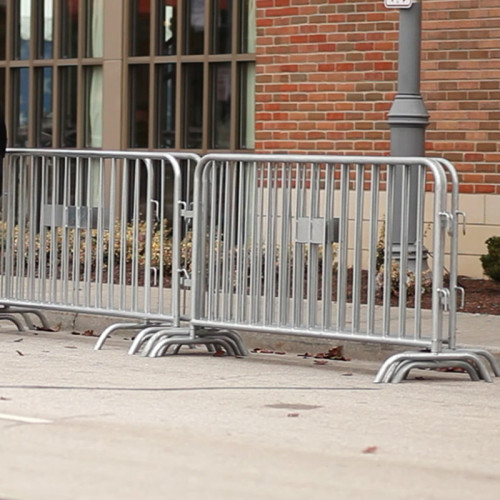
x=326 y=73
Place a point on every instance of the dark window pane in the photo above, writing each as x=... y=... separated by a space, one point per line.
x=93 y=106
x=3 y=112
x=3 y=29
x=68 y=106
x=94 y=31
x=20 y=106
x=22 y=35
x=221 y=35
x=45 y=29
x=69 y=28
x=195 y=26
x=248 y=26
x=193 y=105
x=167 y=27
x=165 y=108
x=139 y=106
x=2 y=90
x=140 y=27
x=44 y=108
x=221 y=105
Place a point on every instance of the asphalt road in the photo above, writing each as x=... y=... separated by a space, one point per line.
x=83 y=424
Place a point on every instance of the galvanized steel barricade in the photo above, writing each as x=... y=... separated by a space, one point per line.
x=95 y=232
x=303 y=245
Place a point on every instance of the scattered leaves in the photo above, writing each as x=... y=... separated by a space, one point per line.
x=86 y=333
x=370 y=450
x=219 y=353
x=2 y=398
x=450 y=369
x=20 y=353
x=293 y=415
x=335 y=353
x=57 y=328
x=18 y=340
x=320 y=361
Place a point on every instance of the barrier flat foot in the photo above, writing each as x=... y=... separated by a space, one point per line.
x=8 y=312
x=492 y=362
x=230 y=336
x=13 y=319
x=396 y=368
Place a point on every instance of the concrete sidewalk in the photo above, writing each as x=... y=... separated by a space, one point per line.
x=81 y=424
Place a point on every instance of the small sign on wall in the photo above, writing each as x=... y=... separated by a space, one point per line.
x=398 y=4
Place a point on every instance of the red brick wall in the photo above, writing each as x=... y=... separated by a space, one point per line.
x=327 y=72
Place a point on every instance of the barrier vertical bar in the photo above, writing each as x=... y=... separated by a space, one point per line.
x=343 y=247
x=388 y=244
x=419 y=249
x=438 y=262
x=328 y=251
x=372 y=253
x=403 y=247
x=358 y=242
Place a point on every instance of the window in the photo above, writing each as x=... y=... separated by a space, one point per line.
x=165 y=102
x=140 y=15
x=20 y=106
x=53 y=71
x=174 y=74
x=3 y=30
x=94 y=30
x=67 y=106
x=45 y=29
x=195 y=86
x=22 y=36
x=93 y=107
x=69 y=29
x=139 y=105
x=44 y=107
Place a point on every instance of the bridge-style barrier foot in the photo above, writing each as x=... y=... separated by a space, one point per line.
x=396 y=368
x=156 y=342
x=123 y=326
x=21 y=317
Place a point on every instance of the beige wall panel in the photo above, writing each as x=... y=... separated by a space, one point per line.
x=469 y=265
x=473 y=242
x=474 y=207
x=492 y=211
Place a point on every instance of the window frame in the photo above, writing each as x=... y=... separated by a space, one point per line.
x=235 y=58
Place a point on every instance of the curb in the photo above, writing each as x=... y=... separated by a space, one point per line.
x=356 y=350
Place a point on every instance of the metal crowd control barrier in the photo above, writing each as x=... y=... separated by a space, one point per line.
x=281 y=244
x=303 y=245
x=96 y=232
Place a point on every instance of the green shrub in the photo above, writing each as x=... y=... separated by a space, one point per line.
x=491 y=261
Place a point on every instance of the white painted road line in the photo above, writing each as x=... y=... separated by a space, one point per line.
x=25 y=420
